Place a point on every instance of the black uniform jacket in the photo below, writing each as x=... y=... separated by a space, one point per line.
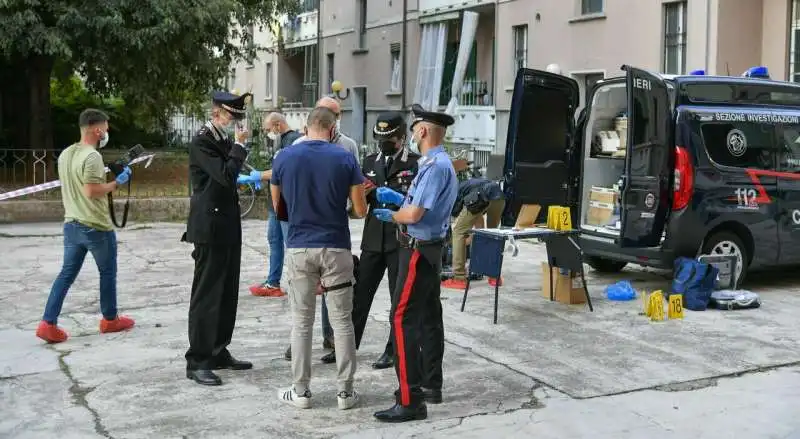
x=214 y=164
x=381 y=236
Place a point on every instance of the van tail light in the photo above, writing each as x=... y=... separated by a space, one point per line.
x=684 y=179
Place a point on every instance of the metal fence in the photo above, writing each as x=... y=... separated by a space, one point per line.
x=167 y=176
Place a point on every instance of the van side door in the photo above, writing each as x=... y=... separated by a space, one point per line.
x=788 y=142
x=737 y=189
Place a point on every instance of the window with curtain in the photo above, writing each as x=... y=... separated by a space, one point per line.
x=520 y=47
x=396 y=78
x=268 y=81
x=362 y=24
x=794 y=43
x=591 y=6
x=675 y=38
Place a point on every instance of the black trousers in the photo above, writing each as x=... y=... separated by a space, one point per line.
x=417 y=322
x=370 y=273
x=212 y=309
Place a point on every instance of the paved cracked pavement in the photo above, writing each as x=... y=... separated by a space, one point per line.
x=546 y=370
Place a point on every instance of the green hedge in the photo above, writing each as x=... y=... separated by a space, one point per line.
x=69 y=97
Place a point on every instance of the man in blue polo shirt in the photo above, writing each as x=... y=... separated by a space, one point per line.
x=316 y=178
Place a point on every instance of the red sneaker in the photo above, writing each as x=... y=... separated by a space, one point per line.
x=121 y=323
x=495 y=282
x=455 y=284
x=51 y=333
x=266 y=290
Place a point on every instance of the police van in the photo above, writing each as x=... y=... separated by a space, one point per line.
x=654 y=167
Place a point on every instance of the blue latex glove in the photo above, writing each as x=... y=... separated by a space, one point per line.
x=243 y=179
x=124 y=177
x=384 y=214
x=389 y=196
x=255 y=176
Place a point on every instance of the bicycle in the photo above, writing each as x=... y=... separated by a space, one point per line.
x=247 y=195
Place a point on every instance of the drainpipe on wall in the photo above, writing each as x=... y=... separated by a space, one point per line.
x=403 y=54
x=319 y=49
x=708 y=37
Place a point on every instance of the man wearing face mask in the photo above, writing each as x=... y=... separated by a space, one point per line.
x=282 y=136
x=215 y=229
x=87 y=227
x=394 y=166
x=422 y=221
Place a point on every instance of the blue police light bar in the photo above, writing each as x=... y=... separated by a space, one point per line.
x=698 y=72
x=757 y=72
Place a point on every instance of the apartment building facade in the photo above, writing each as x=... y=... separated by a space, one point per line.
x=391 y=53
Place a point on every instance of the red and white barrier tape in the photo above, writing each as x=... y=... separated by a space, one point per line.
x=57 y=183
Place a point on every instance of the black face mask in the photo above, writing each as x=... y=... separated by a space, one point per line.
x=388 y=147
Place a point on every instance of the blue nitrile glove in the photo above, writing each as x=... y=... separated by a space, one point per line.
x=384 y=214
x=255 y=176
x=124 y=176
x=389 y=196
x=243 y=179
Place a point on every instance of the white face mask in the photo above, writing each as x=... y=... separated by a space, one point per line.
x=413 y=144
x=272 y=136
x=103 y=141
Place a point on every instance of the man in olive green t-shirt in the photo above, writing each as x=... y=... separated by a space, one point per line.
x=87 y=227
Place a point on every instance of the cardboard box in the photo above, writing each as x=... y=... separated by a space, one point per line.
x=603 y=195
x=569 y=287
x=599 y=214
x=527 y=216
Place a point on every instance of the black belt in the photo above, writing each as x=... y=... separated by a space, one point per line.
x=407 y=241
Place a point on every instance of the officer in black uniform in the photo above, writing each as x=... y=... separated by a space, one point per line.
x=394 y=166
x=215 y=229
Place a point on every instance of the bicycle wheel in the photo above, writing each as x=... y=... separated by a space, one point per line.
x=247 y=198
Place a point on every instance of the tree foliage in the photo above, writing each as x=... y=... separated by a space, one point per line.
x=157 y=55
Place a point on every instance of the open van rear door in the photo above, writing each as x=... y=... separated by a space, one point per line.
x=649 y=160
x=540 y=132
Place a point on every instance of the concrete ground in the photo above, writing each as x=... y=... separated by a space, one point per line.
x=546 y=370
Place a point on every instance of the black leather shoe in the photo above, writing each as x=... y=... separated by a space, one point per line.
x=400 y=413
x=204 y=377
x=234 y=364
x=432 y=396
x=288 y=354
x=384 y=362
x=329 y=358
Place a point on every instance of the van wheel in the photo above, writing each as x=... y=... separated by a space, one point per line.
x=605 y=265
x=729 y=244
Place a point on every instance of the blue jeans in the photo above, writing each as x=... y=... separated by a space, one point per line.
x=277 y=243
x=79 y=239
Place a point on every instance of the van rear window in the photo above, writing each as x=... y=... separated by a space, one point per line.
x=760 y=94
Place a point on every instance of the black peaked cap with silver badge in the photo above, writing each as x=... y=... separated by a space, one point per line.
x=235 y=104
x=389 y=124
x=420 y=115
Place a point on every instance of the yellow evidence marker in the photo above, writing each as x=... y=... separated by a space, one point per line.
x=656 y=306
x=675 y=306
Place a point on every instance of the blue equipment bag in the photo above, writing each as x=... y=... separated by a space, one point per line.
x=695 y=280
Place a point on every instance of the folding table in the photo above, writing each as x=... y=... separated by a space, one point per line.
x=488 y=245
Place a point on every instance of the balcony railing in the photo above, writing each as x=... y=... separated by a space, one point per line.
x=430 y=7
x=474 y=92
x=301 y=30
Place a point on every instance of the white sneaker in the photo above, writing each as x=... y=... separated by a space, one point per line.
x=347 y=400
x=290 y=396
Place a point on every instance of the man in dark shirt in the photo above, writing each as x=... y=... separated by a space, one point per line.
x=315 y=179
x=282 y=135
x=476 y=197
